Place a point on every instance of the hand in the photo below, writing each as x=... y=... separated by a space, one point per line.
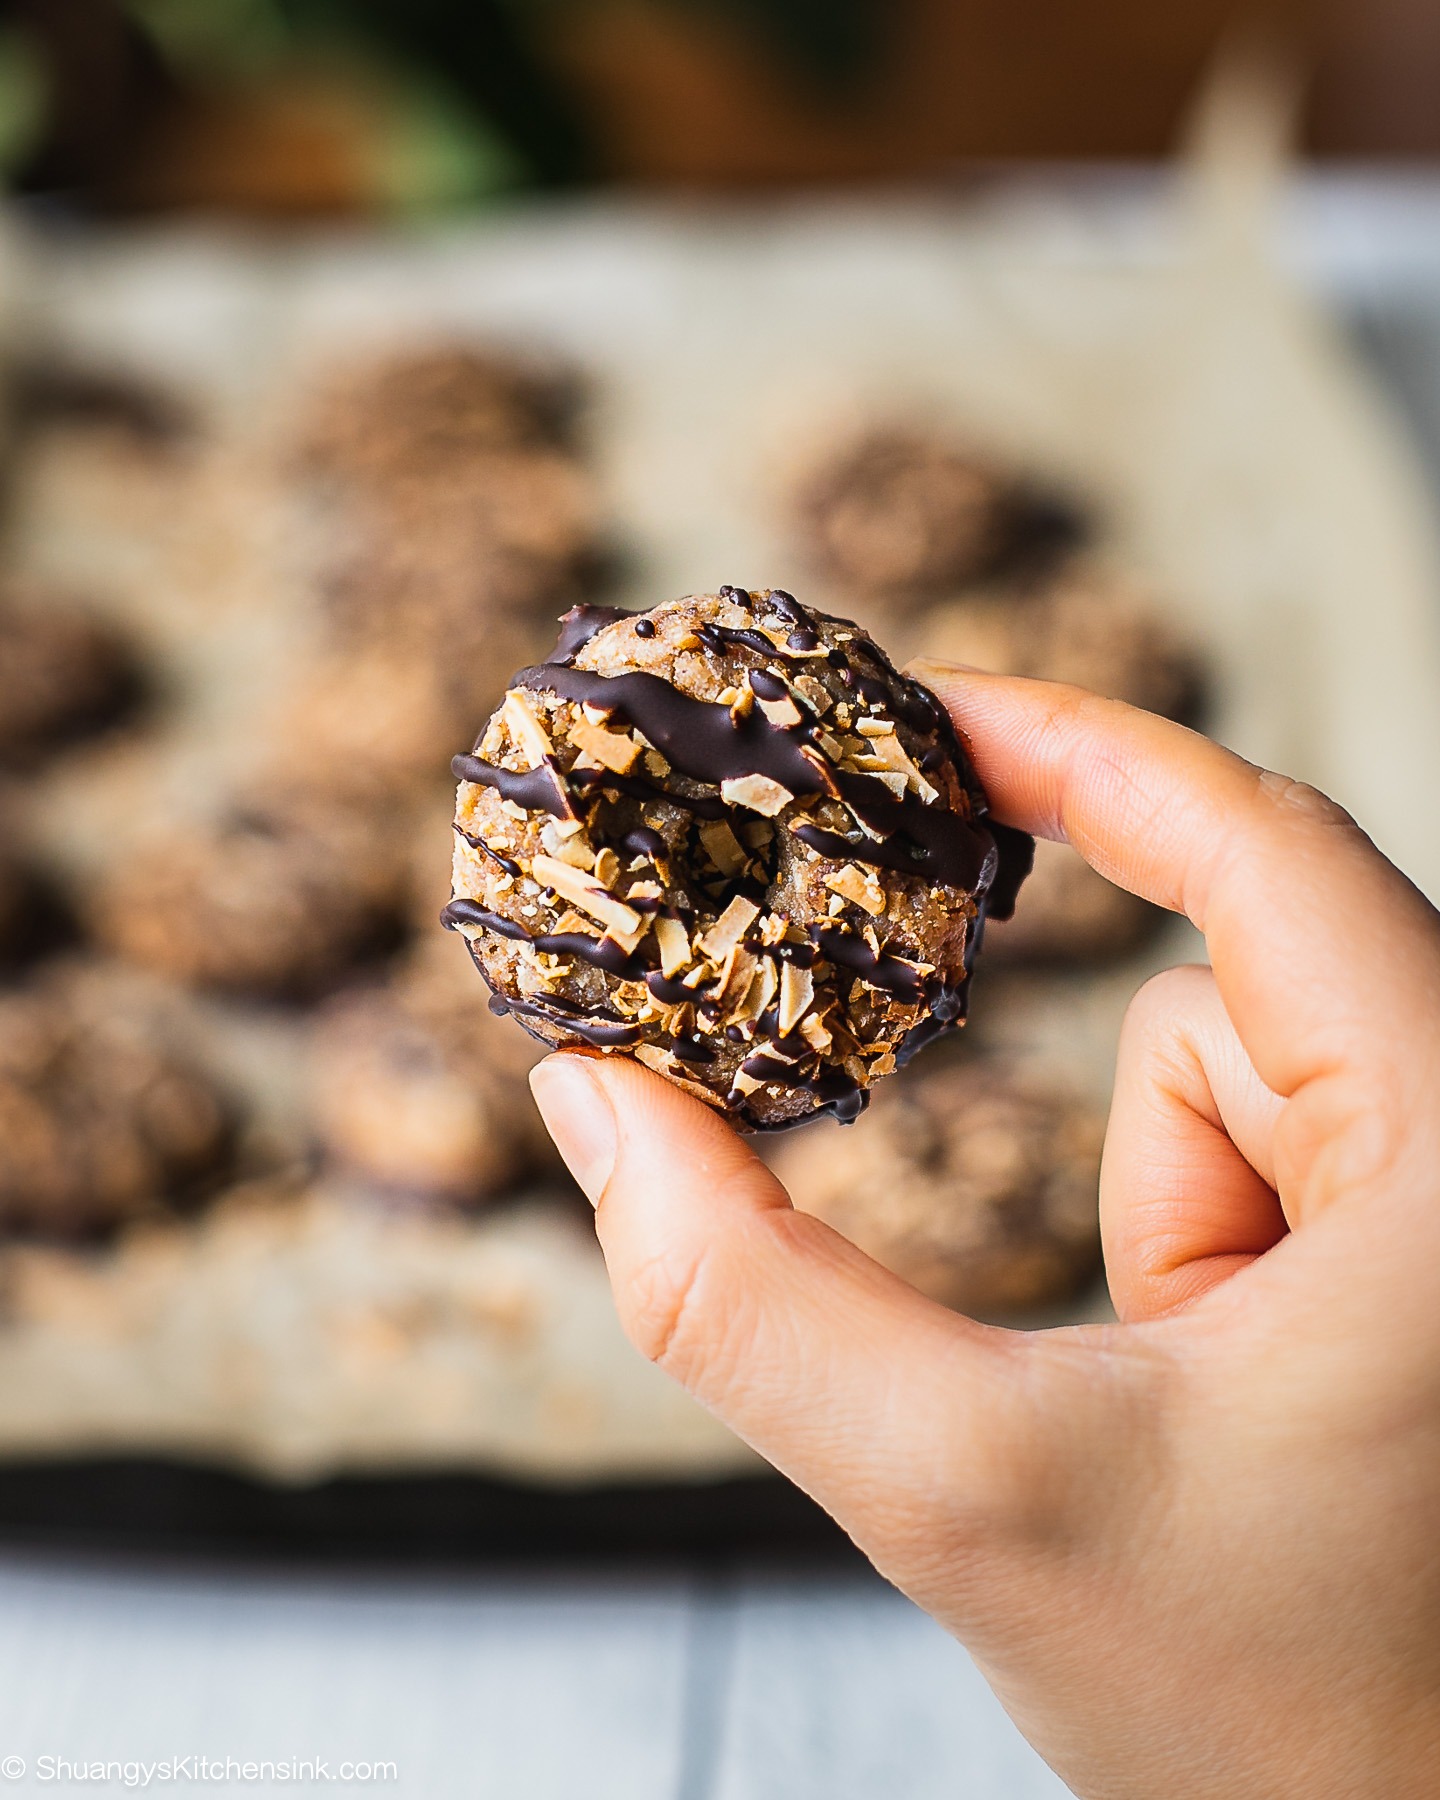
x=1197 y=1553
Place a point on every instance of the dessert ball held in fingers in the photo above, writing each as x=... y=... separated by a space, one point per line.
x=726 y=837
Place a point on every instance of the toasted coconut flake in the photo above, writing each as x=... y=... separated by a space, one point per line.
x=729 y=928
x=738 y=973
x=815 y=1034
x=723 y=847
x=609 y=749
x=568 y=847
x=876 y=728
x=813 y=693
x=856 y=886
x=762 y=990
x=607 y=868
x=674 y=942
x=758 y=792
x=884 y=1064
x=782 y=712
x=694 y=1087
x=822 y=769
x=890 y=753
x=622 y=922
x=526 y=726
x=745 y=1085
x=797 y=991
x=891 y=778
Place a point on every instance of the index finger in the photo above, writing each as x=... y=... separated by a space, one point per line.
x=1319 y=944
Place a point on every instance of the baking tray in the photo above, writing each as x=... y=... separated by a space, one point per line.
x=1239 y=458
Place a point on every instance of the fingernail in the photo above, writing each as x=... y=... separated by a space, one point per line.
x=579 y=1117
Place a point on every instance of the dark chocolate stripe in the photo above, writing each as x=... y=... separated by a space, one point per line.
x=541 y=789
x=478 y=843
x=601 y=953
x=579 y=625
x=891 y=974
x=704 y=806
x=719 y=638
x=837 y=1092
x=706 y=742
x=590 y=1030
x=642 y=841
x=700 y=739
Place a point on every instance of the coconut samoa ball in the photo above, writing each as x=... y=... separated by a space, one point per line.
x=727 y=837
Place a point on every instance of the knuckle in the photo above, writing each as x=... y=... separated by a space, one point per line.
x=1154 y=1008
x=663 y=1307
x=1288 y=795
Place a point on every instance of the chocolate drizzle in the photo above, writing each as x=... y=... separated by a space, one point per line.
x=642 y=841
x=708 y=743
x=601 y=953
x=541 y=789
x=506 y=863
x=891 y=974
x=579 y=625
x=704 y=806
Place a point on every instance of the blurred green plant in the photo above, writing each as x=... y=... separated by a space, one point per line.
x=24 y=99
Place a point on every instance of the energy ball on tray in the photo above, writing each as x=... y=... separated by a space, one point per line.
x=727 y=837
x=392 y=411
x=974 y=1184
x=420 y=1092
x=907 y=515
x=104 y=1115
x=277 y=899
x=61 y=670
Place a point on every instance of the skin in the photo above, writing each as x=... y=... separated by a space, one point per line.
x=1195 y=1552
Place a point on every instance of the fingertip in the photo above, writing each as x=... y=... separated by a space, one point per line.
x=576 y=1110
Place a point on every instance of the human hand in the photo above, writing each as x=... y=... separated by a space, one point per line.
x=1196 y=1552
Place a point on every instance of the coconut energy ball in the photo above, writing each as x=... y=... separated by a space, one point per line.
x=726 y=837
x=905 y=516
x=61 y=670
x=422 y=1093
x=276 y=899
x=104 y=1115
x=976 y=1183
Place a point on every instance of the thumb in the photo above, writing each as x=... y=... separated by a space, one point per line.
x=921 y=1431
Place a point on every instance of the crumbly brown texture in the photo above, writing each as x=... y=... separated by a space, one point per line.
x=390 y=413
x=60 y=669
x=1086 y=626
x=902 y=516
x=492 y=534
x=103 y=1118
x=726 y=837
x=975 y=1185
x=277 y=900
x=420 y=1092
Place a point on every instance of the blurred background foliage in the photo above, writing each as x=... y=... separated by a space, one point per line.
x=312 y=108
